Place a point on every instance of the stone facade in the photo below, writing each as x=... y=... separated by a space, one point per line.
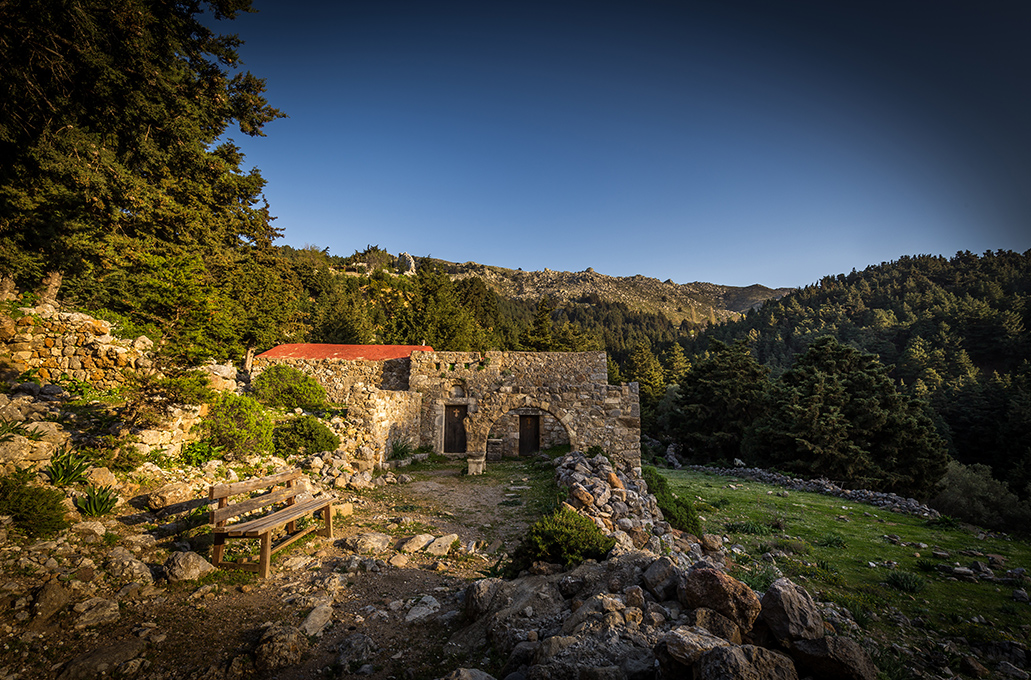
x=71 y=345
x=405 y=399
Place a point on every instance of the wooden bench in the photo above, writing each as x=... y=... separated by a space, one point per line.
x=282 y=489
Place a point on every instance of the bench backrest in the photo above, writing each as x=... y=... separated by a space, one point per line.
x=222 y=492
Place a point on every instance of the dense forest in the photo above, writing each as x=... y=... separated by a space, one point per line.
x=951 y=334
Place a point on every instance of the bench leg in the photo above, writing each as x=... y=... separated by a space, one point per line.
x=265 y=558
x=218 y=549
x=327 y=516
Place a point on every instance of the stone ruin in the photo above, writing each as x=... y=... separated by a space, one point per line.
x=480 y=405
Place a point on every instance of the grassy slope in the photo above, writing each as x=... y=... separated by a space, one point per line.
x=806 y=520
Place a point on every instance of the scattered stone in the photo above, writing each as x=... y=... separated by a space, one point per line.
x=317 y=620
x=745 y=663
x=282 y=645
x=103 y=661
x=355 y=650
x=441 y=546
x=467 y=674
x=415 y=543
x=187 y=566
x=96 y=611
x=834 y=656
x=368 y=543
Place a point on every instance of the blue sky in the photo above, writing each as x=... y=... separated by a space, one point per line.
x=736 y=142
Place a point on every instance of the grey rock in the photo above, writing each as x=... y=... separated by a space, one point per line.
x=467 y=674
x=52 y=598
x=745 y=663
x=187 y=566
x=355 y=651
x=96 y=611
x=317 y=620
x=368 y=543
x=688 y=645
x=103 y=660
x=790 y=612
x=281 y=645
x=441 y=546
x=833 y=656
x=415 y=543
x=660 y=578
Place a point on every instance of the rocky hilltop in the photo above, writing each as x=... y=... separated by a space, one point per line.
x=696 y=302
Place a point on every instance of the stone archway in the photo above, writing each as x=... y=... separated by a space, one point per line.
x=494 y=407
x=505 y=436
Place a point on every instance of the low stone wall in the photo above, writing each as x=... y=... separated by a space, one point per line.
x=342 y=377
x=70 y=344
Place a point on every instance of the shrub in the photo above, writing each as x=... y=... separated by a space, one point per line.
x=198 y=453
x=190 y=387
x=286 y=387
x=98 y=501
x=306 y=433
x=66 y=468
x=400 y=448
x=239 y=424
x=906 y=581
x=760 y=577
x=831 y=541
x=37 y=511
x=970 y=493
x=679 y=512
x=748 y=526
x=564 y=537
x=924 y=564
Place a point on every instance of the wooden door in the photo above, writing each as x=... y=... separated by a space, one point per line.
x=529 y=435
x=454 y=428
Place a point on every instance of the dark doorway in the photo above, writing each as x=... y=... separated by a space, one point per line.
x=454 y=428
x=529 y=435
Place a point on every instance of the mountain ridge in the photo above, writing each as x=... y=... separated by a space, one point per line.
x=697 y=303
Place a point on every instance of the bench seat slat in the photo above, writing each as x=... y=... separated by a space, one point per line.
x=256 y=527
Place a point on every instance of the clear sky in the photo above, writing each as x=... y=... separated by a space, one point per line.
x=735 y=142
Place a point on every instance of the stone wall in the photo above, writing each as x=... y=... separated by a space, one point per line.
x=505 y=431
x=342 y=377
x=70 y=344
x=386 y=417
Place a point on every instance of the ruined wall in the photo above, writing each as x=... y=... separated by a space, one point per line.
x=385 y=416
x=571 y=386
x=70 y=344
x=342 y=377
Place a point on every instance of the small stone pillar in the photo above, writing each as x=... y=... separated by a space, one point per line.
x=476 y=463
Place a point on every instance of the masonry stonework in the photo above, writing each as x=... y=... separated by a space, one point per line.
x=342 y=377
x=61 y=345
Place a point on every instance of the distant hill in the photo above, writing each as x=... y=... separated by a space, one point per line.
x=696 y=303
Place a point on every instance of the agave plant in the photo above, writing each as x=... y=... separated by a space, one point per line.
x=66 y=468
x=98 y=501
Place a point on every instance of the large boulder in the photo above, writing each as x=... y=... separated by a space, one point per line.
x=687 y=645
x=714 y=622
x=717 y=591
x=660 y=578
x=372 y=542
x=835 y=657
x=790 y=612
x=745 y=663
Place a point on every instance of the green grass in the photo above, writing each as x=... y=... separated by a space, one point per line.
x=842 y=538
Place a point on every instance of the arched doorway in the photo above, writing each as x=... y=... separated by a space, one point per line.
x=524 y=431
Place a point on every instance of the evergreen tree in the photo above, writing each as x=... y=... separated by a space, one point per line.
x=675 y=364
x=643 y=368
x=837 y=414
x=538 y=337
x=719 y=399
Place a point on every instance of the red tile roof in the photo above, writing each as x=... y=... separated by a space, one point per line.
x=318 y=351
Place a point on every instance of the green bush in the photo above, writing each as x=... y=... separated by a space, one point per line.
x=306 y=433
x=564 y=537
x=748 y=526
x=198 y=453
x=970 y=493
x=831 y=540
x=906 y=581
x=190 y=387
x=238 y=424
x=37 y=511
x=679 y=512
x=286 y=387
x=401 y=448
